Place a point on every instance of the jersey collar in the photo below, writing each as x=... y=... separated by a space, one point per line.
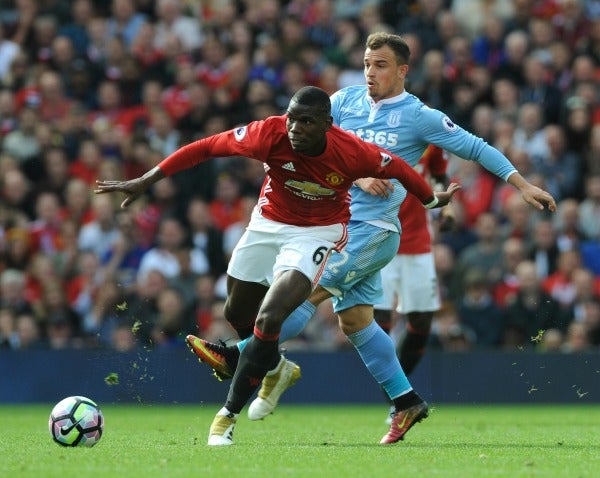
x=387 y=101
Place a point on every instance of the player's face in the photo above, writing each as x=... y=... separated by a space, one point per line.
x=384 y=76
x=306 y=128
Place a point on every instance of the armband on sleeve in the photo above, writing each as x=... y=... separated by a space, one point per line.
x=433 y=203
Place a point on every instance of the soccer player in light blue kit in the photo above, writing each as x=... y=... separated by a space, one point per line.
x=384 y=113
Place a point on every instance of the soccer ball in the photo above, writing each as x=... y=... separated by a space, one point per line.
x=76 y=421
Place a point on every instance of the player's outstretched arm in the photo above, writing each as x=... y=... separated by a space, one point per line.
x=535 y=196
x=132 y=188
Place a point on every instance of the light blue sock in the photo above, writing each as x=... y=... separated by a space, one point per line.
x=377 y=351
x=293 y=325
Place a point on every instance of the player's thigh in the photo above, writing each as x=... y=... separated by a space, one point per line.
x=306 y=249
x=418 y=287
x=253 y=257
x=352 y=275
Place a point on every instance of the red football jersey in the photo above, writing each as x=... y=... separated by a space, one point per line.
x=416 y=236
x=302 y=190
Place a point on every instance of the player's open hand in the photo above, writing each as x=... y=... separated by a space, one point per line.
x=538 y=198
x=133 y=189
x=376 y=186
x=444 y=197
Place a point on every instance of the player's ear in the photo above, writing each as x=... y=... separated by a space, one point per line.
x=329 y=122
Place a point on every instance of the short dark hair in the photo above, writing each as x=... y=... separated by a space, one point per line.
x=314 y=97
x=377 y=40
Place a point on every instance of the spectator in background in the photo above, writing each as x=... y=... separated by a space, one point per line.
x=207 y=240
x=434 y=90
x=577 y=339
x=100 y=234
x=45 y=229
x=477 y=192
x=121 y=261
x=544 y=251
x=8 y=52
x=478 y=312
x=503 y=291
x=516 y=46
x=8 y=333
x=161 y=133
x=518 y=220
x=104 y=314
x=55 y=164
x=13 y=292
x=8 y=111
x=560 y=284
x=163 y=257
x=63 y=324
x=587 y=289
x=423 y=24
x=485 y=254
x=124 y=21
x=77 y=201
x=589 y=209
x=529 y=135
x=234 y=231
x=171 y=322
x=561 y=168
x=226 y=208
x=82 y=11
x=123 y=339
x=17 y=250
x=85 y=166
x=505 y=98
x=29 y=334
x=566 y=224
x=142 y=305
x=22 y=143
x=531 y=309
x=538 y=89
x=171 y=20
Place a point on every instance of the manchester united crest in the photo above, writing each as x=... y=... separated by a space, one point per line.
x=334 y=179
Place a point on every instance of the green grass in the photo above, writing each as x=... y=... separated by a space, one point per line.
x=311 y=441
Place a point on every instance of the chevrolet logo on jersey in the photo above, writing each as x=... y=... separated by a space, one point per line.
x=308 y=190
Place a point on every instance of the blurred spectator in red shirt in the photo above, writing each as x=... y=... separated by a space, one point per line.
x=85 y=167
x=227 y=206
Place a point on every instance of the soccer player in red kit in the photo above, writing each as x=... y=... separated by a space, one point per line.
x=300 y=217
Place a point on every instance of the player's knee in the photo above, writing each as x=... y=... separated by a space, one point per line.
x=352 y=323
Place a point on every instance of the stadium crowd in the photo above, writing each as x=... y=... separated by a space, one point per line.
x=93 y=89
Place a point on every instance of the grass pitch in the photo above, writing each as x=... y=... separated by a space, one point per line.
x=311 y=441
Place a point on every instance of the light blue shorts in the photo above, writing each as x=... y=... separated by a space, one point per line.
x=352 y=276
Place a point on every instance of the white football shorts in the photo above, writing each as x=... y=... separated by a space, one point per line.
x=411 y=279
x=268 y=248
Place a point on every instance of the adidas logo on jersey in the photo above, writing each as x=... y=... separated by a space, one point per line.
x=289 y=166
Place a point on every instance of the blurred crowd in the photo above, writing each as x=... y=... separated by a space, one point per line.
x=95 y=89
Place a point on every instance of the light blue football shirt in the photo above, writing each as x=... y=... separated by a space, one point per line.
x=405 y=126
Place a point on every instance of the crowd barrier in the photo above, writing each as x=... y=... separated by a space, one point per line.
x=175 y=376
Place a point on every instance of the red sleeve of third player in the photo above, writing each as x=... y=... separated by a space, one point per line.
x=437 y=162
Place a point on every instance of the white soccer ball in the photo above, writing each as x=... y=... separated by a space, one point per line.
x=76 y=421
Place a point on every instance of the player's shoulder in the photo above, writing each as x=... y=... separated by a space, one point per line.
x=271 y=125
x=269 y=129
